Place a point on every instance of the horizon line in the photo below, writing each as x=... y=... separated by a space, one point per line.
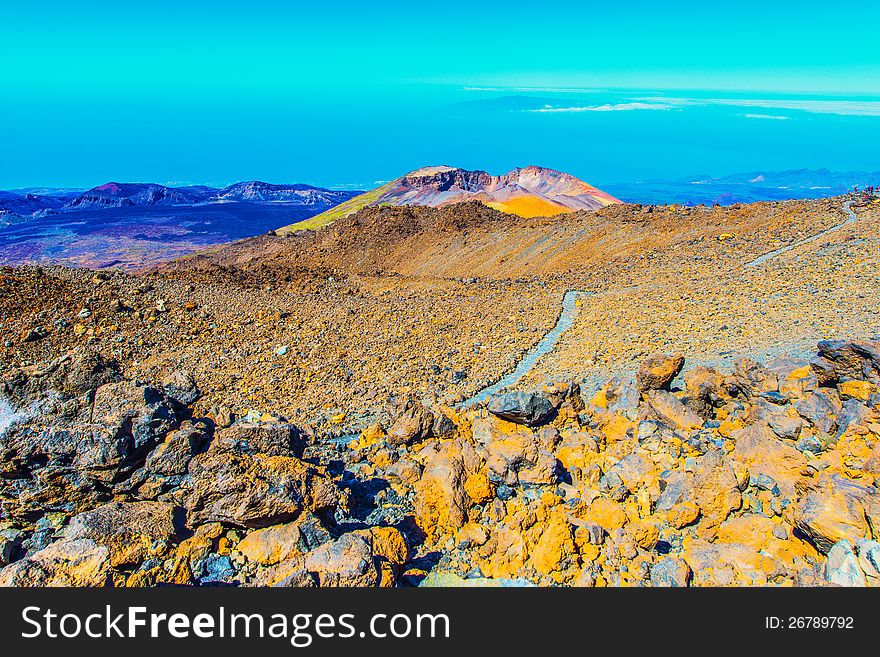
x=375 y=183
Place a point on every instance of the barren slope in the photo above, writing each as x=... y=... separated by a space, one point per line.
x=443 y=301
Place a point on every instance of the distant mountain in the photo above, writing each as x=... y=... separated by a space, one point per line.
x=528 y=192
x=117 y=195
x=22 y=205
x=797 y=179
x=747 y=187
x=133 y=225
x=255 y=191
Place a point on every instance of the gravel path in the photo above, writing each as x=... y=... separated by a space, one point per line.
x=851 y=219
x=545 y=346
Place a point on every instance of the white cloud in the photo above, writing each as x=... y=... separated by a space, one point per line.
x=814 y=106
x=618 y=107
x=842 y=107
x=776 y=117
x=545 y=90
x=655 y=100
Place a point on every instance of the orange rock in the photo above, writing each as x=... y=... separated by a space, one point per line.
x=658 y=370
x=550 y=499
x=387 y=578
x=616 y=428
x=715 y=488
x=752 y=530
x=671 y=411
x=280 y=542
x=441 y=502
x=683 y=514
x=645 y=533
x=600 y=399
x=727 y=427
x=860 y=390
x=472 y=534
x=389 y=544
x=479 y=488
x=834 y=508
x=80 y=562
x=382 y=459
x=555 y=550
x=372 y=435
x=769 y=538
x=800 y=373
x=729 y=564
x=507 y=554
x=345 y=562
x=763 y=453
x=128 y=530
x=606 y=513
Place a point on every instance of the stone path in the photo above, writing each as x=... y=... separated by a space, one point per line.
x=570 y=308
x=545 y=346
x=851 y=219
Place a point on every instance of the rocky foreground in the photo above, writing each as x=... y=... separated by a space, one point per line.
x=766 y=474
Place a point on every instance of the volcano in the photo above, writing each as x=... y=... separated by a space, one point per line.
x=530 y=191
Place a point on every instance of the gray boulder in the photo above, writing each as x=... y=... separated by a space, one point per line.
x=181 y=387
x=842 y=360
x=670 y=572
x=273 y=439
x=255 y=490
x=127 y=530
x=412 y=423
x=521 y=407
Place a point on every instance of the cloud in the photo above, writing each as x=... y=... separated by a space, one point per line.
x=618 y=107
x=814 y=106
x=547 y=90
x=656 y=100
x=775 y=117
x=840 y=107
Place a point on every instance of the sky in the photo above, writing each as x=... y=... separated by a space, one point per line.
x=352 y=93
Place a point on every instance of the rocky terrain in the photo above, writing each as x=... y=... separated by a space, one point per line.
x=288 y=410
x=762 y=475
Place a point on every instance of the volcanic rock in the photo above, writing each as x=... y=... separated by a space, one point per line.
x=128 y=530
x=255 y=490
x=658 y=370
x=64 y=563
x=521 y=408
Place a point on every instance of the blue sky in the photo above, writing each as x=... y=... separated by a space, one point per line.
x=345 y=93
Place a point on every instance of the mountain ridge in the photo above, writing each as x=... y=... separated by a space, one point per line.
x=133 y=225
x=17 y=206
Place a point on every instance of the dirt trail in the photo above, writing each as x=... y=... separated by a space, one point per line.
x=570 y=308
x=545 y=346
x=851 y=219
